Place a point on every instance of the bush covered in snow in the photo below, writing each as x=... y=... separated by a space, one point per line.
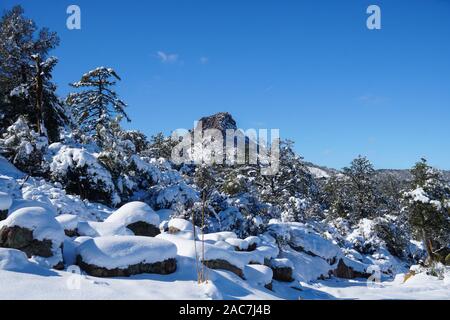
x=81 y=173
x=138 y=217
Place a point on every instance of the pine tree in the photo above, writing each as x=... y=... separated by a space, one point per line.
x=428 y=208
x=96 y=107
x=291 y=188
x=25 y=74
x=160 y=147
x=336 y=197
x=24 y=147
x=361 y=188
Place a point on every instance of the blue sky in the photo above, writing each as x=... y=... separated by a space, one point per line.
x=310 y=68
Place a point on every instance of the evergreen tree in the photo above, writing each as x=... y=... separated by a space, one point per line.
x=160 y=147
x=291 y=188
x=96 y=107
x=428 y=208
x=24 y=147
x=361 y=189
x=336 y=197
x=25 y=74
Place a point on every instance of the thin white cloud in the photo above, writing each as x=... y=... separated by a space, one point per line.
x=204 y=60
x=167 y=57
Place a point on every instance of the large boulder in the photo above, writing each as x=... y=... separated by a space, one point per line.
x=123 y=256
x=238 y=244
x=348 y=269
x=69 y=222
x=5 y=204
x=36 y=232
x=138 y=217
x=303 y=238
x=283 y=270
x=177 y=225
x=219 y=264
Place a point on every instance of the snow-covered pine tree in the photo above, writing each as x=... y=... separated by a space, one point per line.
x=50 y=111
x=24 y=147
x=361 y=189
x=96 y=107
x=427 y=209
x=21 y=43
x=291 y=188
x=160 y=147
x=335 y=196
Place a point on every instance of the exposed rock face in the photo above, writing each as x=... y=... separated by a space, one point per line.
x=3 y=214
x=144 y=229
x=345 y=272
x=283 y=274
x=165 y=267
x=221 y=121
x=224 y=265
x=173 y=230
x=22 y=239
x=72 y=233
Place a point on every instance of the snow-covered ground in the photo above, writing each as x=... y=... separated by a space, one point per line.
x=36 y=283
x=419 y=287
x=310 y=254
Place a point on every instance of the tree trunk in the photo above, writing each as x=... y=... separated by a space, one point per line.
x=39 y=94
x=428 y=246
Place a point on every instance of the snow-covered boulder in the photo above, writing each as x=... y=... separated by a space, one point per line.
x=350 y=269
x=259 y=275
x=303 y=239
x=177 y=225
x=5 y=204
x=238 y=244
x=215 y=257
x=253 y=243
x=224 y=264
x=138 y=217
x=126 y=255
x=102 y=229
x=36 y=232
x=283 y=269
x=69 y=222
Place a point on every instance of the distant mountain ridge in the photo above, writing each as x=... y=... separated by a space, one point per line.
x=403 y=175
x=224 y=121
